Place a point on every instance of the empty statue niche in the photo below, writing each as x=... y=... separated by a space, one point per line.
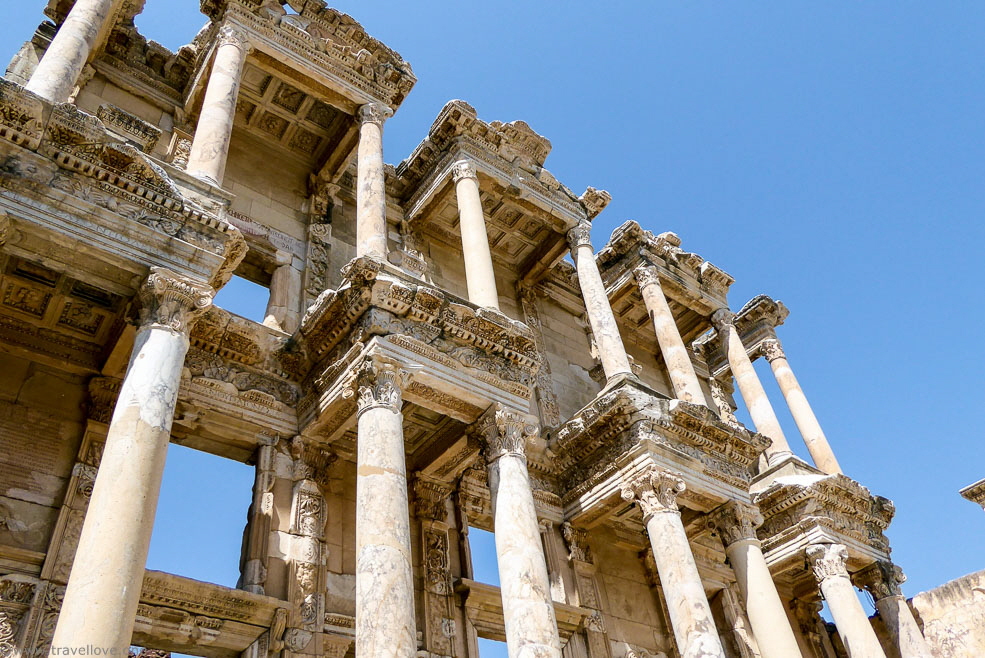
x=201 y=513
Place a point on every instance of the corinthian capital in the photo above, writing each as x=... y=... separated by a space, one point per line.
x=722 y=318
x=379 y=385
x=828 y=561
x=580 y=236
x=881 y=578
x=735 y=521
x=170 y=300
x=771 y=349
x=505 y=432
x=655 y=491
x=463 y=169
x=374 y=113
x=646 y=275
x=232 y=35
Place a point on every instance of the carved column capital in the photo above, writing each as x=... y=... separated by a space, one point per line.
x=882 y=579
x=735 y=521
x=646 y=275
x=311 y=461
x=429 y=498
x=580 y=236
x=379 y=385
x=655 y=491
x=828 y=561
x=463 y=169
x=771 y=349
x=722 y=318
x=376 y=113
x=173 y=301
x=577 y=542
x=505 y=432
x=232 y=35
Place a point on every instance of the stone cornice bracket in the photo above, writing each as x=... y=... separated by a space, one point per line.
x=580 y=236
x=504 y=432
x=771 y=349
x=233 y=35
x=655 y=491
x=882 y=579
x=594 y=201
x=828 y=561
x=463 y=169
x=429 y=498
x=734 y=522
x=173 y=301
x=376 y=113
x=646 y=275
x=380 y=385
x=311 y=461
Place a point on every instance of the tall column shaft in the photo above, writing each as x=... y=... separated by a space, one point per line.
x=828 y=562
x=531 y=627
x=385 y=624
x=683 y=378
x=104 y=586
x=210 y=147
x=883 y=579
x=751 y=389
x=371 y=189
x=479 y=275
x=60 y=67
x=736 y=525
x=285 y=293
x=803 y=415
x=612 y=352
x=690 y=614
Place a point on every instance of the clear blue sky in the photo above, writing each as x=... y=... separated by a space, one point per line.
x=830 y=155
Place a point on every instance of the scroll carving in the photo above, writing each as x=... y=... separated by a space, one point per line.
x=655 y=491
x=734 y=522
x=172 y=301
x=828 y=561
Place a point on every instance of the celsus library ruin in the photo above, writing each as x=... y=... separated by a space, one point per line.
x=444 y=349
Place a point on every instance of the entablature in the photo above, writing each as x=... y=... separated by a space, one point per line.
x=755 y=322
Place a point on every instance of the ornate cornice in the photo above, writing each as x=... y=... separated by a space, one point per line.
x=173 y=301
x=882 y=579
x=735 y=521
x=594 y=201
x=655 y=491
x=828 y=561
x=975 y=493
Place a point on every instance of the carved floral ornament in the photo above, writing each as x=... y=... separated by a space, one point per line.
x=646 y=275
x=655 y=491
x=505 y=432
x=580 y=236
x=463 y=169
x=722 y=318
x=881 y=578
x=379 y=385
x=232 y=35
x=173 y=301
x=771 y=349
x=735 y=522
x=374 y=113
x=828 y=561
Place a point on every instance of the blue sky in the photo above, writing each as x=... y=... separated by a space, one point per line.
x=827 y=154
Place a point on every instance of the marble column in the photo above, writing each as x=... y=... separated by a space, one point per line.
x=656 y=492
x=371 y=189
x=385 y=624
x=882 y=579
x=803 y=415
x=612 y=352
x=751 y=389
x=285 y=293
x=828 y=562
x=682 y=375
x=58 y=71
x=101 y=598
x=531 y=627
x=479 y=275
x=736 y=523
x=210 y=146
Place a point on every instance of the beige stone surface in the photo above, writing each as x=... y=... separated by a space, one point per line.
x=952 y=616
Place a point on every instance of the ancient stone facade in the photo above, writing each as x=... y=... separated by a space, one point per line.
x=429 y=362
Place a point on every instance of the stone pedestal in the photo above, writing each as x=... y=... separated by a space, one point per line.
x=371 y=189
x=210 y=147
x=612 y=352
x=656 y=492
x=682 y=375
x=385 y=624
x=104 y=585
x=882 y=580
x=285 y=293
x=531 y=626
x=736 y=525
x=479 y=275
x=751 y=389
x=59 y=69
x=828 y=562
x=803 y=415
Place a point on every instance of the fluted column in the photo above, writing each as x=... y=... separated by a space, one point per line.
x=828 y=562
x=736 y=523
x=479 y=275
x=751 y=389
x=656 y=493
x=210 y=146
x=103 y=588
x=803 y=415
x=385 y=624
x=682 y=375
x=531 y=627
x=612 y=352
x=371 y=189
x=60 y=67
x=882 y=579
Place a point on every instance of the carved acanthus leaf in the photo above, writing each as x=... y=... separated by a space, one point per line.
x=655 y=491
x=735 y=521
x=172 y=301
x=828 y=561
x=771 y=349
x=882 y=579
